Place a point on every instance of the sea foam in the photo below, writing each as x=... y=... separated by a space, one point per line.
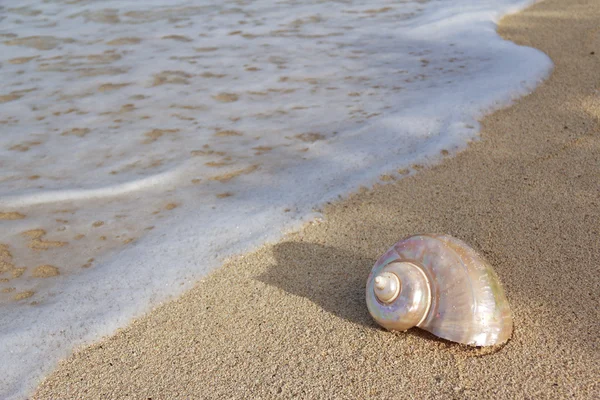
x=144 y=142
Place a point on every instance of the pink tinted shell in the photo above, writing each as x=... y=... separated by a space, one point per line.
x=446 y=288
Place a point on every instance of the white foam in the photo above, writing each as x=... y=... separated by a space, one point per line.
x=328 y=96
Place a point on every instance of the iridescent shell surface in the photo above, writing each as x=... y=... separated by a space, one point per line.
x=446 y=288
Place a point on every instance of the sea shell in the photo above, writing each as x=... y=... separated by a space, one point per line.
x=440 y=284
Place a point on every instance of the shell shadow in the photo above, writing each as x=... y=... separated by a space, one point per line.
x=332 y=278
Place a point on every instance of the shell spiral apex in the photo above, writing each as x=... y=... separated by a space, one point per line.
x=440 y=284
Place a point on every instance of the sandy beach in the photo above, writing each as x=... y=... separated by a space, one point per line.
x=290 y=319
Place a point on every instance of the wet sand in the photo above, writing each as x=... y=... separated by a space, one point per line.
x=290 y=320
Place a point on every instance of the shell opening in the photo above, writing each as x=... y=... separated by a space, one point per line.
x=387 y=287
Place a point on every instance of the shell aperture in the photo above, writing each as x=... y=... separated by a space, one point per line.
x=440 y=284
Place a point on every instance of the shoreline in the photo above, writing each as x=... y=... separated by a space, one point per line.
x=525 y=196
x=196 y=154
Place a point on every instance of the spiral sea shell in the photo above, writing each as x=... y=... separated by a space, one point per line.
x=440 y=284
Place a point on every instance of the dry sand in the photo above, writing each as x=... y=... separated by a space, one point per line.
x=290 y=320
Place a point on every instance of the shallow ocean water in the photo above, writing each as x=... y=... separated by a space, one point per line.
x=144 y=142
